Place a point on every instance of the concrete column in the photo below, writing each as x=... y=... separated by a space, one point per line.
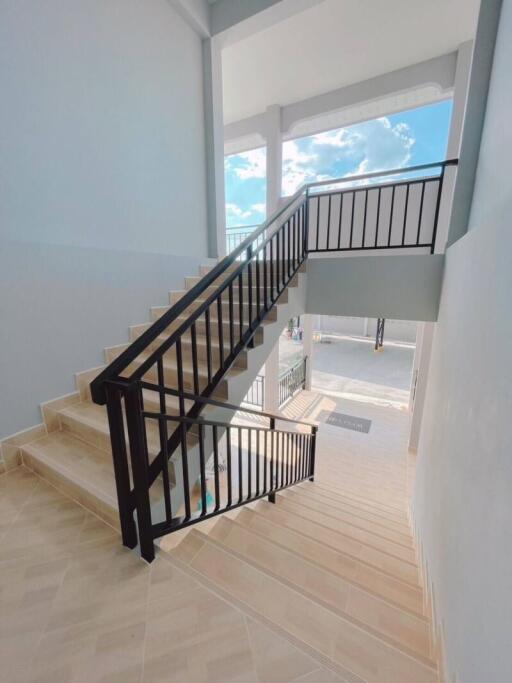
x=425 y=338
x=460 y=92
x=274 y=180
x=271 y=388
x=274 y=140
x=214 y=141
x=307 y=345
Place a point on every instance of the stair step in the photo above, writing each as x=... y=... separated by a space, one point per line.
x=404 y=553
x=89 y=422
x=370 y=503
x=374 y=527
x=377 y=558
x=344 y=565
x=313 y=493
x=137 y=330
x=171 y=375
x=346 y=645
x=78 y=469
x=186 y=347
x=81 y=471
x=401 y=628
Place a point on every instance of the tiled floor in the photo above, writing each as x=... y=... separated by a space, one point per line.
x=76 y=606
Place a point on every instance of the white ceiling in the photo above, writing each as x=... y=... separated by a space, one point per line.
x=337 y=43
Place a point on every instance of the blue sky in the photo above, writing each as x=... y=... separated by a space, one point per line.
x=412 y=137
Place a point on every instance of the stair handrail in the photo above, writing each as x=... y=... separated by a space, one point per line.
x=208 y=400
x=119 y=364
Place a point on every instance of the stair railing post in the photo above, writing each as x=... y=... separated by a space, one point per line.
x=272 y=495
x=313 y=454
x=120 y=462
x=139 y=460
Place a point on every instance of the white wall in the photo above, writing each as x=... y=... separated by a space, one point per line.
x=462 y=502
x=102 y=183
x=102 y=125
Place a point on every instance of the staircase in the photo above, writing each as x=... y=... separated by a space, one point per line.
x=330 y=566
x=152 y=443
x=76 y=453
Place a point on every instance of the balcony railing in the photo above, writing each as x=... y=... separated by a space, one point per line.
x=292 y=380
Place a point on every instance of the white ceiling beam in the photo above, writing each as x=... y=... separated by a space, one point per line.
x=433 y=79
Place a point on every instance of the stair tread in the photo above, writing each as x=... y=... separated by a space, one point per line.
x=357 y=500
x=348 y=646
x=395 y=566
x=404 y=553
x=343 y=564
x=377 y=527
x=312 y=496
x=81 y=462
x=403 y=629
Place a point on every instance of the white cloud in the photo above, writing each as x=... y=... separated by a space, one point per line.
x=234 y=211
x=254 y=164
x=258 y=208
x=366 y=147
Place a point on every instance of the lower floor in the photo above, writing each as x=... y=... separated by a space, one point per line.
x=77 y=606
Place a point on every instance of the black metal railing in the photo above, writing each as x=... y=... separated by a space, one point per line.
x=156 y=390
x=256 y=393
x=399 y=214
x=292 y=380
x=171 y=367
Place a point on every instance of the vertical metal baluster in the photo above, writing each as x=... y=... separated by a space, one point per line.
x=420 y=216
x=231 y=326
x=272 y=270
x=352 y=218
x=220 y=325
x=281 y=451
x=328 y=223
x=313 y=454
x=377 y=218
x=164 y=446
x=438 y=207
x=229 y=470
x=302 y=449
x=364 y=217
x=288 y=459
x=288 y=250
x=258 y=298
x=294 y=241
x=183 y=428
x=265 y=460
x=406 y=206
x=278 y=256
x=340 y=221
x=271 y=464
x=295 y=457
x=202 y=470
x=257 y=432
x=208 y=345
x=241 y=305
x=216 y=466
x=195 y=361
x=317 y=221
x=283 y=265
x=265 y=279
x=391 y=214
x=249 y=464
x=249 y=293
x=240 y=466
